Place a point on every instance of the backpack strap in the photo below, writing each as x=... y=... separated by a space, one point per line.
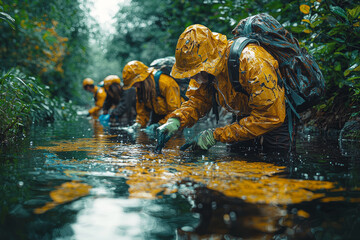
x=234 y=63
x=156 y=79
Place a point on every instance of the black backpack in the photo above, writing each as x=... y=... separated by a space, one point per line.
x=301 y=76
x=183 y=84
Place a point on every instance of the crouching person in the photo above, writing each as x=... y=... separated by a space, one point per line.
x=260 y=109
x=156 y=95
x=120 y=104
x=99 y=96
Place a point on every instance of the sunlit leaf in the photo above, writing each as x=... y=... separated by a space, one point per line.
x=8 y=19
x=354 y=67
x=355 y=12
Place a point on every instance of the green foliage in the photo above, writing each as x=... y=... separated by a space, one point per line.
x=329 y=29
x=332 y=35
x=50 y=41
x=24 y=100
x=6 y=17
x=147 y=30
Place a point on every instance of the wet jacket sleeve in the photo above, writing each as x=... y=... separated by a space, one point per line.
x=124 y=104
x=199 y=103
x=142 y=114
x=171 y=91
x=100 y=99
x=107 y=103
x=257 y=75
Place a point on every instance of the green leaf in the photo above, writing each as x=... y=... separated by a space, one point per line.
x=355 y=12
x=297 y=29
x=354 y=67
x=339 y=12
x=8 y=19
x=353 y=78
x=337 y=67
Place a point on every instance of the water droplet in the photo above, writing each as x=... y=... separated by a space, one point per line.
x=21 y=183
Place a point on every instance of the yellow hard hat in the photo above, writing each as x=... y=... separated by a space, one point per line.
x=198 y=49
x=135 y=71
x=87 y=81
x=110 y=80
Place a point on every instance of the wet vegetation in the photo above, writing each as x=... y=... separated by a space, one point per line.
x=25 y=101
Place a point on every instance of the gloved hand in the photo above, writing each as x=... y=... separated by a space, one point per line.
x=152 y=129
x=165 y=132
x=170 y=127
x=104 y=119
x=203 y=140
x=132 y=129
x=135 y=126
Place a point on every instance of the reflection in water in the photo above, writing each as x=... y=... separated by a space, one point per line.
x=254 y=182
x=230 y=196
x=65 y=193
x=111 y=217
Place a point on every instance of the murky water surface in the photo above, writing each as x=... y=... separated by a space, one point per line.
x=77 y=180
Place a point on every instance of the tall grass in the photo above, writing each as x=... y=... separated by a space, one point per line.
x=25 y=100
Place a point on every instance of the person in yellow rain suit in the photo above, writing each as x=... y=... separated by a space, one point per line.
x=120 y=104
x=99 y=96
x=202 y=55
x=148 y=102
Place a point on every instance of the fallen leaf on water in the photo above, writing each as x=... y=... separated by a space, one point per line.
x=65 y=193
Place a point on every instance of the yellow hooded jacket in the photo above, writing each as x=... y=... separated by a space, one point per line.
x=99 y=96
x=168 y=101
x=264 y=108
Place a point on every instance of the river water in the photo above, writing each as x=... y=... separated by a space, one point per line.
x=78 y=180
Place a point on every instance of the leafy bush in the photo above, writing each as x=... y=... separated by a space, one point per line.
x=24 y=100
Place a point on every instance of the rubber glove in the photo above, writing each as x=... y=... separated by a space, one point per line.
x=135 y=126
x=165 y=132
x=204 y=140
x=104 y=119
x=152 y=129
x=170 y=127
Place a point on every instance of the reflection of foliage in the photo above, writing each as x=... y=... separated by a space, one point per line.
x=65 y=193
x=253 y=182
x=23 y=100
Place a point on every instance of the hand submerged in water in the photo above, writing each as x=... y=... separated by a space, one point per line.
x=165 y=132
x=203 y=141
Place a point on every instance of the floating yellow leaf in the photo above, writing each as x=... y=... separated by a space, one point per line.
x=67 y=192
x=306 y=20
x=303 y=214
x=307 y=31
x=305 y=9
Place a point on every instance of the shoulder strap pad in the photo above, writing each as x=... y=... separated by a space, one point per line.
x=234 y=63
x=156 y=79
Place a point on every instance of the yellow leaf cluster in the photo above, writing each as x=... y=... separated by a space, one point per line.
x=305 y=9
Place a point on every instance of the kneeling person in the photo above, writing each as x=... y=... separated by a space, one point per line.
x=122 y=101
